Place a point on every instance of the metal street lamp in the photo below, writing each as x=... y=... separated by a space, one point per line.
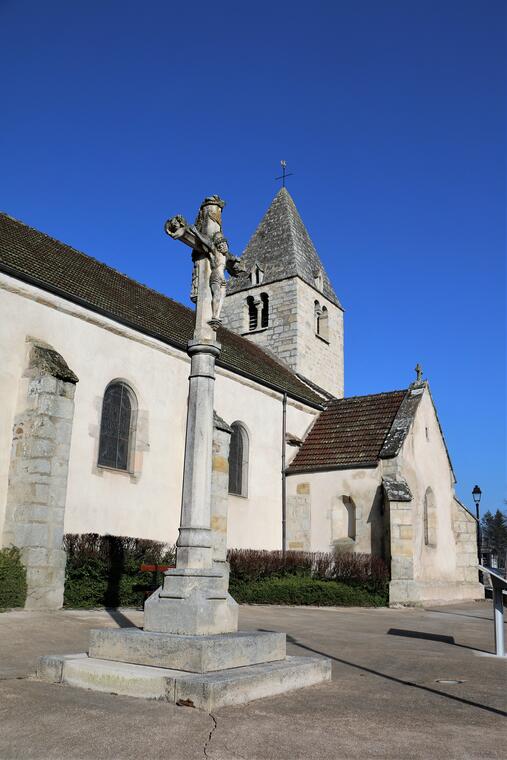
x=476 y=495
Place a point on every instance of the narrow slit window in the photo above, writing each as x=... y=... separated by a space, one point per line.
x=264 y=310
x=323 y=324
x=316 y=314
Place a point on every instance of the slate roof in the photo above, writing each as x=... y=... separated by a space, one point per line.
x=32 y=256
x=282 y=248
x=350 y=432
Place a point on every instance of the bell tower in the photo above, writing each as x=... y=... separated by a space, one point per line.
x=285 y=302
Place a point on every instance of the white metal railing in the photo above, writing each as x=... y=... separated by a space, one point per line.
x=499 y=589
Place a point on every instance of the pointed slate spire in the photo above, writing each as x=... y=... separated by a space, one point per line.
x=281 y=247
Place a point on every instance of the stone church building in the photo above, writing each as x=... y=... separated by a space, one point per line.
x=93 y=383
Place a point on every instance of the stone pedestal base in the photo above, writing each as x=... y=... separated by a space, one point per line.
x=206 y=691
x=199 y=671
x=192 y=602
x=196 y=654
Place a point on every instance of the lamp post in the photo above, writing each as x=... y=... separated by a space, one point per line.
x=476 y=495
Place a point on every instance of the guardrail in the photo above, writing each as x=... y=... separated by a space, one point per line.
x=499 y=589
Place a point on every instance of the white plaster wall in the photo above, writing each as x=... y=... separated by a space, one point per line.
x=423 y=462
x=328 y=521
x=145 y=503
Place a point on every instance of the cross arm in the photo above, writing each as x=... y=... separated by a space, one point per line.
x=178 y=229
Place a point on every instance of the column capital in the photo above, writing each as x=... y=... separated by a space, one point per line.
x=199 y=347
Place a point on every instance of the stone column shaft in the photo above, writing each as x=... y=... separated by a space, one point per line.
x=194 y=542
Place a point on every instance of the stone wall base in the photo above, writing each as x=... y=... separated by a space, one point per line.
x=416 y=593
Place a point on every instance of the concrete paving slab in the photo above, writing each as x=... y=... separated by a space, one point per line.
x=386 y=700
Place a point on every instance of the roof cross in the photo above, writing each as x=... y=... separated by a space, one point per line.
x=419 y=371
x=283 y=164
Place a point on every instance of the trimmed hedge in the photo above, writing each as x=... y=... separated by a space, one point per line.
x=358 y=570
x=12 y=578
x=301 y=590
x=103 y=571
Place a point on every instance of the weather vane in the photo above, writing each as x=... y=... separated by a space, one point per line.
x=284 y=174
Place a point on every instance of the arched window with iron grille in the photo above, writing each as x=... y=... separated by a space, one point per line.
x=117 y=425
x=238 y=460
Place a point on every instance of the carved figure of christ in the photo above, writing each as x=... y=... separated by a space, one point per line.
x=211 y=257
x=202 y=248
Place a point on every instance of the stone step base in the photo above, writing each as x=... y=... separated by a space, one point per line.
x=207 y=691
x=196 y=654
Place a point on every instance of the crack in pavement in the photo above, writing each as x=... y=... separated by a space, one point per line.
x=14 y=678
x=208 y=740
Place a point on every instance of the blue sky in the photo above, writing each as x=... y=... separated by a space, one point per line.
x=116 y=115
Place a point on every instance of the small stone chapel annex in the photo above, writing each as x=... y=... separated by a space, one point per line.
x=93 y=383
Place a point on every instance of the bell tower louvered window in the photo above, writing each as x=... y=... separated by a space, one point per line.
x=252 y=313
x=264 y=310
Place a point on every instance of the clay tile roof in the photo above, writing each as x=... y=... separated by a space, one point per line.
x=30 y=255
x=350 y=432
x=282 y=248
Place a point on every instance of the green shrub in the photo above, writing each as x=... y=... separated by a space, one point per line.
x=103 y=571
x=300 y=590
x=12 y=578
x=361 y=570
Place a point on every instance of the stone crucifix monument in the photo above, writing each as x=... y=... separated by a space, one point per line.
x=190 y=650
x=194 y=598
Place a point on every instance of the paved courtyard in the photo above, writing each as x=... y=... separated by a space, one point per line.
x=388 y=697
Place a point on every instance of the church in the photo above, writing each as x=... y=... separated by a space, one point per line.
x=94 y=380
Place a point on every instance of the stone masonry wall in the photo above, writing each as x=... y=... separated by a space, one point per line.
x=220 y=487
x=280 y=336
x=298 y=527
x=317 y=359
x=401 y=550
x=38 y=475
x=290 y=333
x=465 y=535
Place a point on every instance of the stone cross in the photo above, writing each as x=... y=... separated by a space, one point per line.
x=211 y=257
x=194 y=598
x=419 y=372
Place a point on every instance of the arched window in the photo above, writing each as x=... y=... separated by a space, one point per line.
x=316 y=314
x=256 y=275
x=265 y=310
x=252 y=313
x=351 y=517
x=117 y=426
x=321 y=321
x=238 y=460
x=430 y=519
x=323 y=324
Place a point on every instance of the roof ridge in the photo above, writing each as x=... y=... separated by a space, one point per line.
x=94 y=259
x=368 y=395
